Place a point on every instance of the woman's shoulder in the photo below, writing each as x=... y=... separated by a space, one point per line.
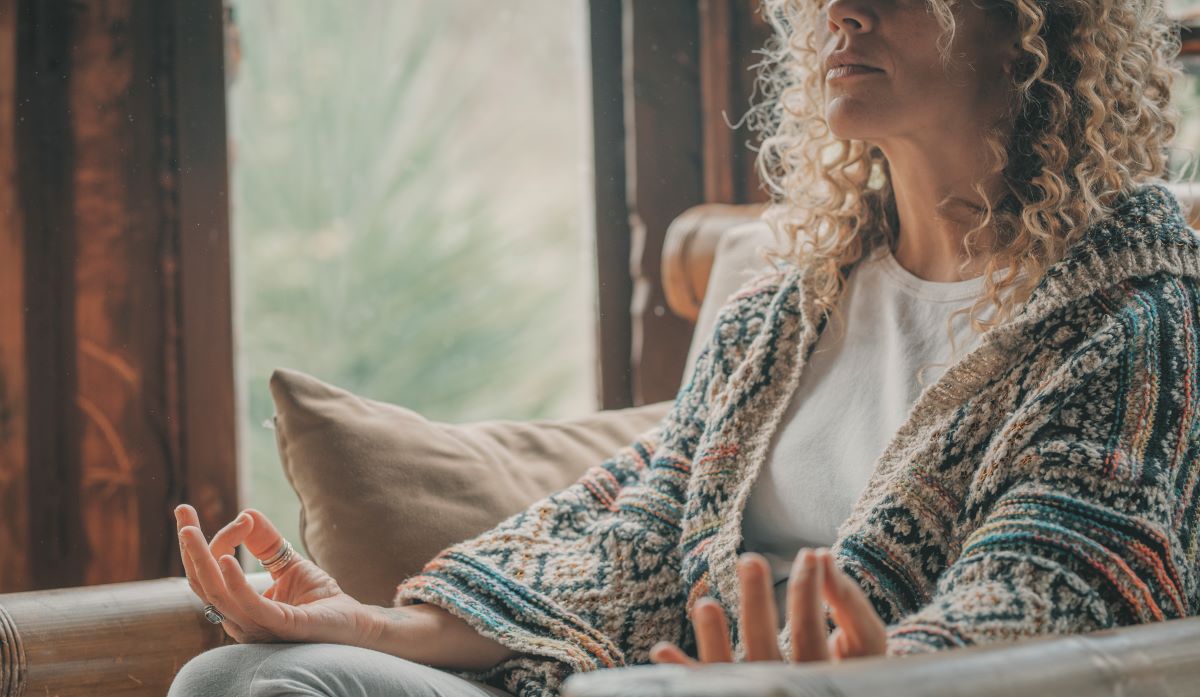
x=1161 y=303
x=1159 y=312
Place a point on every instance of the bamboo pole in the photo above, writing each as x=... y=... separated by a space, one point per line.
x=117 y=639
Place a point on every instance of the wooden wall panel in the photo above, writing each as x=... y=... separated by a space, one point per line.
x=119 y=304
x=14 y=395
x=118 y=240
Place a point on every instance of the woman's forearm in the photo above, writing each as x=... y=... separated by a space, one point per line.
x=428 y=634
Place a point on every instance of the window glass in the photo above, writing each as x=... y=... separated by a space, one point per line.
x=411 y=211
x=1184 y=159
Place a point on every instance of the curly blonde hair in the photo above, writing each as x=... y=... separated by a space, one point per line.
x=1092 y=119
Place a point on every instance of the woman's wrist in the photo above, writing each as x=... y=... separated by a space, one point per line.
x=429 y=634
x=385 y=625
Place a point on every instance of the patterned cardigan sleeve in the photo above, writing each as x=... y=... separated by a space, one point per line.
x=589 y=577
x=1085 y=504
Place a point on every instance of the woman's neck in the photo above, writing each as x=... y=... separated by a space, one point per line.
x=930 y=240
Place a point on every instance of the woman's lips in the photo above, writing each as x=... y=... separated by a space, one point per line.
x=846 y=71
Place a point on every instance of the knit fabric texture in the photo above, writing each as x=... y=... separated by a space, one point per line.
x=1044 y=484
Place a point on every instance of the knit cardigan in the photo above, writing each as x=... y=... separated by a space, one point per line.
x=1044 y=484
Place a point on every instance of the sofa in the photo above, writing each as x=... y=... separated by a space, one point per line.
x=382 y=489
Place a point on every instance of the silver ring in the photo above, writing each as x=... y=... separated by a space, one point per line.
x=281 y=558
x=212 y=614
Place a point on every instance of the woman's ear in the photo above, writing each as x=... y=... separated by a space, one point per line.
x=1011 y=54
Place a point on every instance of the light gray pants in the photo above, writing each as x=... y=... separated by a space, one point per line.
x=316 y=670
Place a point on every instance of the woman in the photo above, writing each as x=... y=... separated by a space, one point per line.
x=1006 y=152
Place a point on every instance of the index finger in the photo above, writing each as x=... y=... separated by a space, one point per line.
x=186 y=515
x=222 y=543
x=853 y=611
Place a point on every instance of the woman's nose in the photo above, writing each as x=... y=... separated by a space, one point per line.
x=850 y=16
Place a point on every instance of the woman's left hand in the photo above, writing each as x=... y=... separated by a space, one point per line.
x=814 y=577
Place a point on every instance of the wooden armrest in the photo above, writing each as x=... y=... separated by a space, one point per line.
x=127 y=639
x=1149 y=660
x=690 y=247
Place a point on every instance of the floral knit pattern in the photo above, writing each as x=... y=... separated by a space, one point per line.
x=1045 y=484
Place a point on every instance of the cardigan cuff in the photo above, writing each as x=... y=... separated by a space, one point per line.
x=924 y=637
x=508 y=612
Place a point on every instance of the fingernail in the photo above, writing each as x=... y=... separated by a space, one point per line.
x=750 y=559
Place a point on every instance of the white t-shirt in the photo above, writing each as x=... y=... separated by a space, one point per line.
x=853 y=395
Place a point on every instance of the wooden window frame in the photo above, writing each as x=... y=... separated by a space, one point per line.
x=667 y=77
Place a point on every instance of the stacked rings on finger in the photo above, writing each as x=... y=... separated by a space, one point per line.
x=212 y=614
x=280 y=559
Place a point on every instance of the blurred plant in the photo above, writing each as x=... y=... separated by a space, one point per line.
x=1184 y=160
x=400 y=230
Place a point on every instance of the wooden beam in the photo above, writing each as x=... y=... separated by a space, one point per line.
x=44 y=185
x=664 y=152
x=717 y=85
x=751 y=31
x=15 y=567
x=614 y=288
x=206 y=390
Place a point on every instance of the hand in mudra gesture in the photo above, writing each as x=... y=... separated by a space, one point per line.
x=814 y=578
x=304 y=604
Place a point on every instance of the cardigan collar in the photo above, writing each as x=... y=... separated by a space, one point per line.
x=1145 y=234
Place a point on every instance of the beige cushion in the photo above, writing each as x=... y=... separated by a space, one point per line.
x=737 y=258
x=383 y=489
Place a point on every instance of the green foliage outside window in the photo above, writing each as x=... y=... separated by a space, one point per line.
x=410 y=207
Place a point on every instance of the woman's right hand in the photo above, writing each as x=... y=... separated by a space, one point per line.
x=304 y=604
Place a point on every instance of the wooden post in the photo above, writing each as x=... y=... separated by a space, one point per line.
x=614 y=288
x=15 y=564
x=664 y=152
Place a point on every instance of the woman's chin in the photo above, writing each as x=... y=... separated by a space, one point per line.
x=853 y=119
x=853 y=127
x=853 y=131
